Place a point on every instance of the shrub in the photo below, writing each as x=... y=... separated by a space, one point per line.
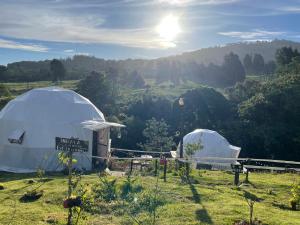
x=295 y=199
x=107 y=190
x=128 y=188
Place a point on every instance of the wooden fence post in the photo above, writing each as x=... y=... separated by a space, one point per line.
x=131 y=166
x=165 y=170
x=247 y=176
x=156 y=165
x=187 y=167
x=236 y=178
x=70 y=161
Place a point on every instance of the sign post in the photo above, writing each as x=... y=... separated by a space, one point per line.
x=70 y=156
x=70 y=145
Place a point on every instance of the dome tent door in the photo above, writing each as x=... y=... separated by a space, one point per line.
x=100 y=147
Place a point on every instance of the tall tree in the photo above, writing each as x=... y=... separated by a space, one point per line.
x=157 y=136
x=2 y=73
x=258 y=64
x=96 y=88
x=285 y=55
x=233 y=69
x=248 y=64
x=57 y=70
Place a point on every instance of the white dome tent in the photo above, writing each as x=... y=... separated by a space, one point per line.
x=30 y=123
x=210 y=144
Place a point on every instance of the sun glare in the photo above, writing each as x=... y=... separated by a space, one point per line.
x=168 y=28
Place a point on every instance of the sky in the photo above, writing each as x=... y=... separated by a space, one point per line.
x=121 y=29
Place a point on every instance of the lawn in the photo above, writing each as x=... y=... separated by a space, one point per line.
x=210 y=199
x=21 y=87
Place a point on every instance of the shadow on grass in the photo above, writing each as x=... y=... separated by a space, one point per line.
x=201 y=214
x=281 y=206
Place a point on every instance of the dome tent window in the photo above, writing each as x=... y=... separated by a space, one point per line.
x=16 y=137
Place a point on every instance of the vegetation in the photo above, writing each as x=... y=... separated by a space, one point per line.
x=211 y=200
x=156 y=136
x=260 y=114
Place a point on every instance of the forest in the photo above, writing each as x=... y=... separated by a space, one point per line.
x=253 y=103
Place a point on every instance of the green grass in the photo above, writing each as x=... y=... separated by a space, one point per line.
x=211 y=200
x=19 y=88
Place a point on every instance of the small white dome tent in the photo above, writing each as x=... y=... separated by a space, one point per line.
x=30 y=123
x=211 y=144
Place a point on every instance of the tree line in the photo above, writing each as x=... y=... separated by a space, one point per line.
x=261 y=117
x=231 y=71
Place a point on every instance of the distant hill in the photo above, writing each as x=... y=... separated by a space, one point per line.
x=215 y=54
x=166 y=68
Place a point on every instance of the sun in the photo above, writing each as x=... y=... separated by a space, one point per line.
x=168 y=28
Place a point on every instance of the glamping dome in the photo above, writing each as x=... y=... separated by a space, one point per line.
x=210 y=144
x=30 y=123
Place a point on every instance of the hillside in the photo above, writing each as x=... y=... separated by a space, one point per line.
x=180 y=66
x=209 y=199
x=216 y=54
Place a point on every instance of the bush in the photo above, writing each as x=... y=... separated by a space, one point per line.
x=128 y=188
x=107 y=190
x=295 y=199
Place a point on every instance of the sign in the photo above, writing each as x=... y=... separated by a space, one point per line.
x=71 y=144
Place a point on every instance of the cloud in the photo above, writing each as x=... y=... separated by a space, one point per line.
x=291 y=9
x=69 y=51
x=197 y=2
x=26 y=47
x=253 y=35
x=47 y=23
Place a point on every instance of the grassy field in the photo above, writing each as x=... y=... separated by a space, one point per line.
x=211 y=199
x=19 y=88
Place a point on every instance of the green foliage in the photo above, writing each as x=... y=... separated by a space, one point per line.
x=191 y=149
x=57 y=69
x=243 y=91
x=219 y=201
x=106 y=189
x=295 y=192
x=258 y=64
x=233 y=70
x=4 y=91
x=98 y=89
x=285 y=55
x=273 y=112
x=156 y=136
x=184 y=172
x=203 y=107
x=129 y=188
x=63 y=158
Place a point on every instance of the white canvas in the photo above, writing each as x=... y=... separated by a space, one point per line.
x=213 y=145
x=45 y=113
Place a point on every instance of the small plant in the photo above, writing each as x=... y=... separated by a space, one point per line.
x=183 y=173
x=129 y=188
x=147 y=204
x=191 y=149
x=1 y=187
x=295 y=199
x=251 y=199
x=107 y=190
